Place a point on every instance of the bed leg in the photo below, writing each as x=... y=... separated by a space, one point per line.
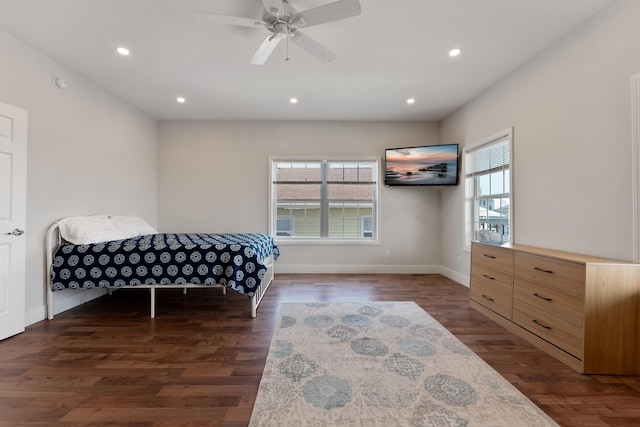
x=184 y=291
x=110 y=291
x=153 y=303
x=224 y=290
x=50 y=304
x=254 y=306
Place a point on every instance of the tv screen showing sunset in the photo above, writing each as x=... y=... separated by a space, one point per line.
x=427 y=165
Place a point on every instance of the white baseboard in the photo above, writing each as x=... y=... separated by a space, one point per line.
x=356 y=269
x=373 y=269
x=34 y=315
x=63 y=303
x=455 y=276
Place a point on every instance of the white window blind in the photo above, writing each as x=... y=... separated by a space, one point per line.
x=493 y=156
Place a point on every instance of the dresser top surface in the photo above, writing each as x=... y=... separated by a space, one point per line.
x=561 y=255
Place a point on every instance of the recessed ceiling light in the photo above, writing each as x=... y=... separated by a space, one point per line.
x=293 y=100
x=123 y=51
x=411 y=101
x=181 y=100
x=455 y=52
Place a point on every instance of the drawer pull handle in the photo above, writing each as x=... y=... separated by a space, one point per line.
x=488 y=277
x=543 y=270
x=541 y=297
x=487 y=298
x=489 y=256
x=541 y=324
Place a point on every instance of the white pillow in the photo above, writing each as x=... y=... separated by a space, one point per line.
x=132 y=226
x=84 y=230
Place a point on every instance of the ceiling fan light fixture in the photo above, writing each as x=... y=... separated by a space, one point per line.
x=411 y=100
x=293 y=100
x=123 y=51
x=181 y=99
x=455 y=52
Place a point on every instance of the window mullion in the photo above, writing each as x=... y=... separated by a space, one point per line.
x=324 y=200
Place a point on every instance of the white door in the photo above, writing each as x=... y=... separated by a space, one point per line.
x=13 y=215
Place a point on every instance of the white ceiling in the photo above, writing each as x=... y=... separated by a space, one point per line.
x=392 y=51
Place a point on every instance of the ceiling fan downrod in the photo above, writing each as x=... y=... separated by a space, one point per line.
x=287 y=58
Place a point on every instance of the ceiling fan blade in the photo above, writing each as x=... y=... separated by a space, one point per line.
x=230 y=20
x=312 y=47
x=335 y=11
x=274 y=7
x=265 y=49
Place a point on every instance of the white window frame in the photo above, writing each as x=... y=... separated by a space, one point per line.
x=326 y=240
x=469 y=190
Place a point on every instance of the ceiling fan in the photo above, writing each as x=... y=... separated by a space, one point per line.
x=285 y=22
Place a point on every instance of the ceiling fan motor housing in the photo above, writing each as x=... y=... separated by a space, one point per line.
x=280 y=30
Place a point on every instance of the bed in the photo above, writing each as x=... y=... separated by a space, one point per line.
x=117 y=252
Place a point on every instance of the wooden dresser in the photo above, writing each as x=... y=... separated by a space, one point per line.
x=583 y=310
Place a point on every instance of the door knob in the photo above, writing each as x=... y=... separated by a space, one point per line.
x=16 y=232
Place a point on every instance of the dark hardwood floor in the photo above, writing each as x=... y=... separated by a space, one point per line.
x=199 y=362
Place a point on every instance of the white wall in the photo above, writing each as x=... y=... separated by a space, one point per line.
x=570 y=109
x=88 y=152
x=214 y=177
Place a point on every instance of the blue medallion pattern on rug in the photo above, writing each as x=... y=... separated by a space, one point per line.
x=450 y=390
x=342 y=332
x=369 y=347
x=283 y=349
x=297 y=367
x=327 y=392
x=287 y=321
x=405 y=366
x=380 y=364
x=319 y=321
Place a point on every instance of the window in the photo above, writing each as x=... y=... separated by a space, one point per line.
x=488 y=190
x=366 y=226
x=286 y=226
x=324 y=200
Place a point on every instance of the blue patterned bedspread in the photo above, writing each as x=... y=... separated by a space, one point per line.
x=233 y=260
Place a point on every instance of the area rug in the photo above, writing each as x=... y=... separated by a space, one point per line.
x=380 y=364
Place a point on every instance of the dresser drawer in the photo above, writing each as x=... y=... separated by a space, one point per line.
x=558 y=332
x=492 y=256
x=558 y=303
x=568 y=276
x=491 y=278
x=492 y=299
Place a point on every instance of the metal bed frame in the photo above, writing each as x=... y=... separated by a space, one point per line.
x=53 y=240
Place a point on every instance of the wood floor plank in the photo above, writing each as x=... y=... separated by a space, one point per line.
x=153 y=414
x=199 y=362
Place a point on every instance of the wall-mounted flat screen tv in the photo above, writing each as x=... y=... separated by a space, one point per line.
x=425 y=165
